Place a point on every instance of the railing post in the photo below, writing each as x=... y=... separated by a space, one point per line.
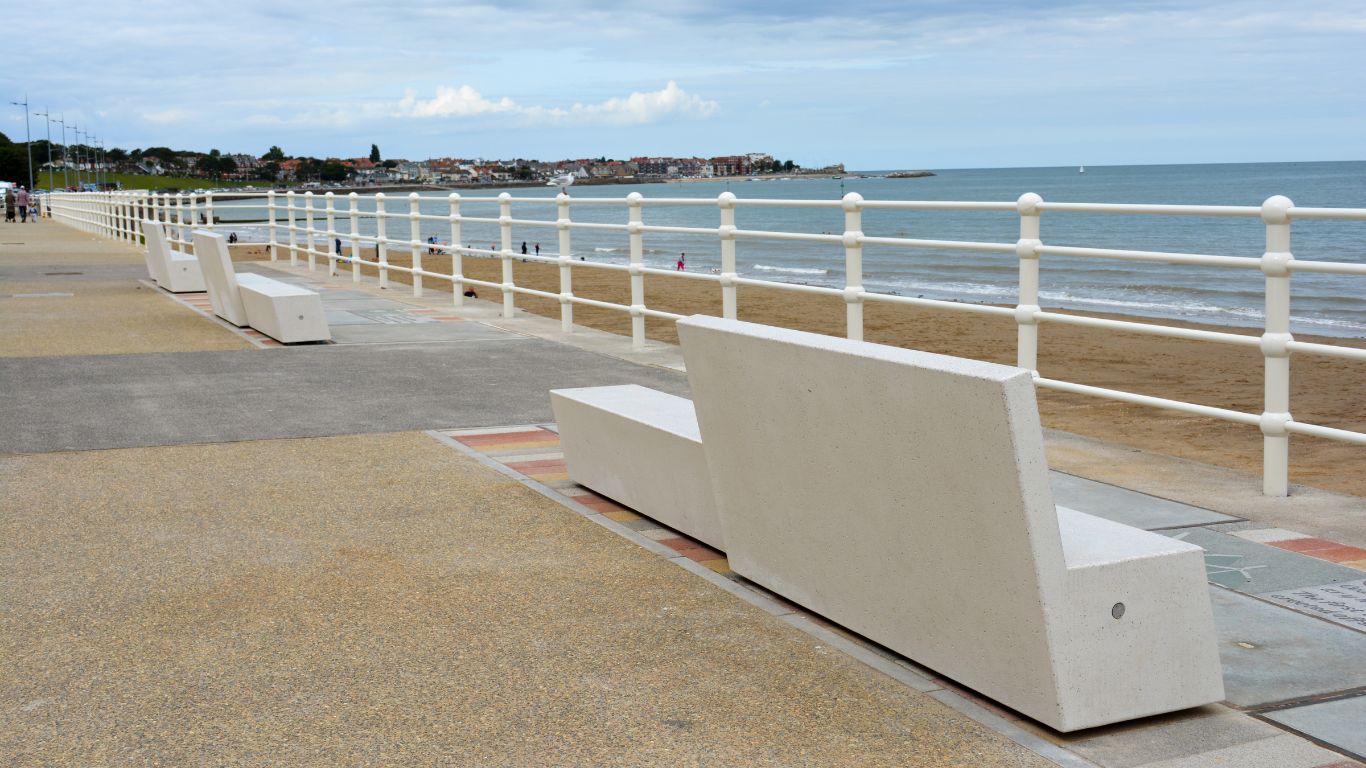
x=208 y=211
x=183 y=206
x=354 y=214
x=309 y=242
x=1275 y=348
x=273 y=244
x=414 y=235
x=505 y=230
x=1026 y=249
x=381 y=240
x=293 y=231
x=636 y=237
x=853 y=264
x=333 y=253
x=457 y=263
x=726 y=200
x=566 y=261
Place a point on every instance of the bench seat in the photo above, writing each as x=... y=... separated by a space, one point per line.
x=170 y=269
x=284 y=312
x=640 y=447
x=905 y=496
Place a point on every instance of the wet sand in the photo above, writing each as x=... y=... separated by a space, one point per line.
x=1323 y=390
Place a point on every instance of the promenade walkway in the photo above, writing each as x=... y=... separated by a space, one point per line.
x=218 y=551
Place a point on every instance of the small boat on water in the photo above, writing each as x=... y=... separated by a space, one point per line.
x=1081 y=169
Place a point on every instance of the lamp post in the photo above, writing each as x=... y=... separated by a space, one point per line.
x=46 y=114
x=66 y=183
x=28 y=137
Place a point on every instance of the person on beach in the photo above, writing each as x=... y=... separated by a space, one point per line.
x=22 y=200
x=523 y=249
x=682 y=258
x=538 y=249
x=339 y=252
x=9 y=205
x=232 y=238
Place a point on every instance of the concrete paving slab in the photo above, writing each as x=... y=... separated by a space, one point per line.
x=111 y=401
x=1276 y=752
x=1254 y=568
x=430 y=331
x=1272 y=655
x=1341 y=723
x=1128 y=507
x=329 y=302
x=342 y=317
x=1166 y=737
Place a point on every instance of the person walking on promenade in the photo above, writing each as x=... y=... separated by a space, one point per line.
x=34 y=208
x=22 y=200
x=9 y=204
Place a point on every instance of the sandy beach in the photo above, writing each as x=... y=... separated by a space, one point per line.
x=1323 y=390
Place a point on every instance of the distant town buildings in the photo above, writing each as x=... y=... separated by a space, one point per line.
x=273 y=167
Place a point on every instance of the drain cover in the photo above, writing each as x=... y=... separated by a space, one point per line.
x=63 y=273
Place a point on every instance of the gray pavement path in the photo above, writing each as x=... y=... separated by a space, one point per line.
x=114 y=401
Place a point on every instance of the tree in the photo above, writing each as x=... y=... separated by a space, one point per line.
x=269 y=171
x=332 y=171
x=390 y=163
x=788 y=166
x=374 y=153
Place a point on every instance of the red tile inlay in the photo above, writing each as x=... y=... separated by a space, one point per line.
x=1305 y=545
x=506 y=437
x=523 y=466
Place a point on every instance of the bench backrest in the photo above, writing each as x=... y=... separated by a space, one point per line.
x=219 y=277
x=837 y=464
x=157 y=251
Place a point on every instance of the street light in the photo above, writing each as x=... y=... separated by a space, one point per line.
x=48 y=117
x=28 y=137
x=66 y=161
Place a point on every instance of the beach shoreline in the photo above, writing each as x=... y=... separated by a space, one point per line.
x=1326 y=391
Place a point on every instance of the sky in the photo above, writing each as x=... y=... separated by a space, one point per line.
x=873 y=84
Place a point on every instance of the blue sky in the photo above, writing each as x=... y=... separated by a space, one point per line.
x=870 y=84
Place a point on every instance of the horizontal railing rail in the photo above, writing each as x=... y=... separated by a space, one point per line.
x=327 y=227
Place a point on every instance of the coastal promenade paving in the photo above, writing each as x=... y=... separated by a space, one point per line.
x=219 y=551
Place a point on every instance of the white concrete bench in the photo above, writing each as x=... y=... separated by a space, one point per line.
x=905 y=496
x=284 y=312
x=640 y=447
x=170 y=269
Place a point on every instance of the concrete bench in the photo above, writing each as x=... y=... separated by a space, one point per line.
x=905 y=496
x=640 y=447
x=170 y=269
x=284 y=312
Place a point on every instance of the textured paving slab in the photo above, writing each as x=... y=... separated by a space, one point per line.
x=1254 y=568
x=1341 y=603
x=261 y=603
x=1128 y=507
x=1341 y=723
x=1270 y=654
x=77 y=403
x=1276 y=752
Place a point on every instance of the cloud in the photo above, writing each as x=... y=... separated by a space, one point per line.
x=637 y=108
x=167 y=116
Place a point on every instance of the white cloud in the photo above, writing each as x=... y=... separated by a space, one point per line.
x=637 y=108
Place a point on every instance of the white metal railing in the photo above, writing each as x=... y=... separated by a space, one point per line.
x=116 y=214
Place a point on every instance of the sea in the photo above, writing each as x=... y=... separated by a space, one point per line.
x=1330 y=305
